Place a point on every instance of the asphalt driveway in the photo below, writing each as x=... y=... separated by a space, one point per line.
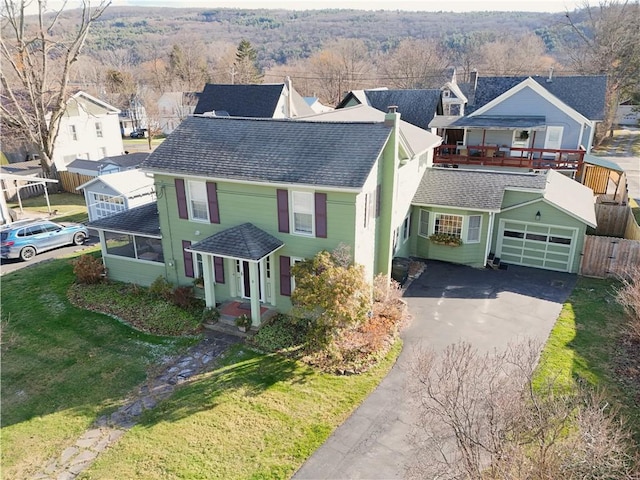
x=448 y=303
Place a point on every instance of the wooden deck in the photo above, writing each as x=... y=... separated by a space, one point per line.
x=493 y=156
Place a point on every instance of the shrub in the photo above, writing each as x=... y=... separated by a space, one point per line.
x=629 y=297
x=210 y=315
x=88 y=269
x=281 y=335
x=160 y=288
x=183 y=297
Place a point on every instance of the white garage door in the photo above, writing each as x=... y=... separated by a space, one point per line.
x=535 y=245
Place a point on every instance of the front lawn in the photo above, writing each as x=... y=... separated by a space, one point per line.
x=62 y=366
x=589 y=343
x=254 y=416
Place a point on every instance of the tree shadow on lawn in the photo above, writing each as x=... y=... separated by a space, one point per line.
x=243 y=371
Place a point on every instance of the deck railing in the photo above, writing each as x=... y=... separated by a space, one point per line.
x=493 y=156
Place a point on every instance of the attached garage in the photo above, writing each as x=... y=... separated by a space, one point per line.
x=532 y=219
x=533 y=245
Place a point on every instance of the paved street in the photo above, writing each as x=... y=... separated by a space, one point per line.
x=624 y=150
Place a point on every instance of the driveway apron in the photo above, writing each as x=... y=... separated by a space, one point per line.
x=448 y=303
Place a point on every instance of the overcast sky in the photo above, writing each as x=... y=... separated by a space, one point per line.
x=411 y=5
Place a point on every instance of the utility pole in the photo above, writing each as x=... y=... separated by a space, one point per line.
x=233 y=74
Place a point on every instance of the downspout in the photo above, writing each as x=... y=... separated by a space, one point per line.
x=489 y=235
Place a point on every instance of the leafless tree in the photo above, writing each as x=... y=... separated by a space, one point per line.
x=414 y=64
x=38 y=55
x=524 y=55
x=608 y=41
x=340 y=67
x=481 y=417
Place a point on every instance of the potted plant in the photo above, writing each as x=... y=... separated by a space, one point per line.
x=210 y=315
x=444 y=239
x=198 y=282
x=243 y=322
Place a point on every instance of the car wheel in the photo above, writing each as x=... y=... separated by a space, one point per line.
x=79 y=238
x=27 y=253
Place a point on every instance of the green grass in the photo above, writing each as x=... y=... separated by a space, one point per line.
x=61 y=366
x=255 y=416
x=586 y=345
x=70 y=207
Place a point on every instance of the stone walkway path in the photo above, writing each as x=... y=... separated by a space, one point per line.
x=108 y=429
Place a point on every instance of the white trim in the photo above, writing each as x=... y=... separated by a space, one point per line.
x=465 y=209
x=554 y=205
x=487 y=250
x=229 y=256
x=540 y=90
x=468 y=226
x=292 y=213
x=103 y=229
x=251 y=182
x=420 y=210
x=93 y=99
x=525 y=189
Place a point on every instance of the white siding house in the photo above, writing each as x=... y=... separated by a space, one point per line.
x=89 y=129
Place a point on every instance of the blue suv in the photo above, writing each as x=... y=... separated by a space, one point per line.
x=24 y=239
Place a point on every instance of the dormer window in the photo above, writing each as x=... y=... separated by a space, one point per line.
x=446 y=93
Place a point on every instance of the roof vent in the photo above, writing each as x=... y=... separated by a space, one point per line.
x=393 y=108
x=550 y=77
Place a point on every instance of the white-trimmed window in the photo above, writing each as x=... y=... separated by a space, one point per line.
x=103 y=151
x=303 y=212
x=294 y=260
x=406 y=226
x=99 y=129
x=197 y=200
x=447 y=224
x=474 y=229
x=423 y=228
x=73 y=132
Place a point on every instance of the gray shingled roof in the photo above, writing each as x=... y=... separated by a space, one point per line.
x=246 y=242
x=500 y=122
x=332 y=154
x=142 y=220
x=476 y=190
x=417 y=107
x=126 y=161
x=584 y=93
x=257 y=101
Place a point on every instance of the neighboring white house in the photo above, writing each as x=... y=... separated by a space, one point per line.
x=89 y=129
x=173 y=107
x=316 y=106
x=116 y=192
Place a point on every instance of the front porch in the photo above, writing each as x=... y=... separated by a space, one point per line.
x=232 y=309
x=514 y=157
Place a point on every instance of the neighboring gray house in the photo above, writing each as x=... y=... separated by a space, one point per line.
x=276 y=100
x=109 y=194
x=417 y=107
x=118 y=163
x=548 y=118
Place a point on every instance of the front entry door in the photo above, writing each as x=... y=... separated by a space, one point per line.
x=245 y=279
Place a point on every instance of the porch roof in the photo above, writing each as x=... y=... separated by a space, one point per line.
x=602 y=162
x=501 y=122
x=142 y=220
x=244 y=242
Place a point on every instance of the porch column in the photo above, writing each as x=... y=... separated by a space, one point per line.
x=207 y=276
x=255 y=293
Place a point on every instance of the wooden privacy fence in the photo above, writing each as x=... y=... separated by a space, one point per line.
x=612 y=219
x=69 y=181
x=609 y=257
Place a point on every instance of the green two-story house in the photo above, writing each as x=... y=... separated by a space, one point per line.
x=240 y=200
